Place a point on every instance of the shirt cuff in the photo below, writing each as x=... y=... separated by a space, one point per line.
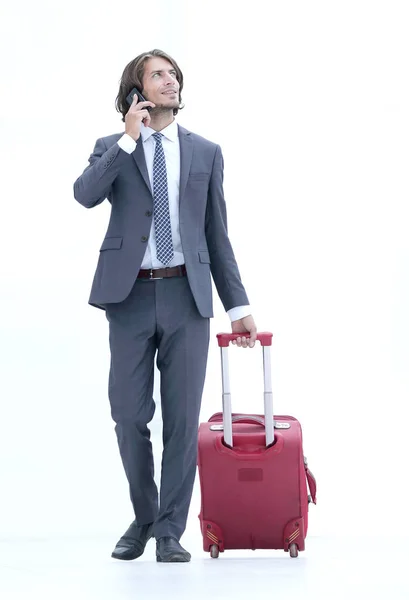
x=127 y=143
x=239 y=312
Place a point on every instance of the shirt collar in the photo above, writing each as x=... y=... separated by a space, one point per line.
x=170 y=132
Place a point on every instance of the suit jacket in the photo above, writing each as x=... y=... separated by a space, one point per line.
x=123 y=179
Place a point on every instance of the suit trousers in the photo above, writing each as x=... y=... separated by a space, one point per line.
x=159 y=317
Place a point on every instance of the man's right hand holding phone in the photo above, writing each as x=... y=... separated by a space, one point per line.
x=135 y=115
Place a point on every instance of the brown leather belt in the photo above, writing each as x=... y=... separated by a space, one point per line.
x=151 y=274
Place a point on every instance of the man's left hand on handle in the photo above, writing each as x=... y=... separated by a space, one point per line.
x=245 y=325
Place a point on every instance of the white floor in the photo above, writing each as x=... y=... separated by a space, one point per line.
x=77 y=569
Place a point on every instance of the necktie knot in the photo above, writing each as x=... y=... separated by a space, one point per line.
x=157 y=137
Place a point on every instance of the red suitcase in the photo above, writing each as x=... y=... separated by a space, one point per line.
x=253 y=474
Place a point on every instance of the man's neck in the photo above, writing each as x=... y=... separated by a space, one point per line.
x=161 y=119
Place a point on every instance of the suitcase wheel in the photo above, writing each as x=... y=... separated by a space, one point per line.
x=214 y=551
x=293 y=549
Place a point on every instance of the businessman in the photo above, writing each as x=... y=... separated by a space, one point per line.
x=167 y=235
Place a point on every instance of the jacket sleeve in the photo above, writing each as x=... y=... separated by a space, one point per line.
x=94 y=185
x=223 y=264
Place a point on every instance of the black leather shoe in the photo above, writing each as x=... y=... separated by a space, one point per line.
x=168 y=549
x=132 y=543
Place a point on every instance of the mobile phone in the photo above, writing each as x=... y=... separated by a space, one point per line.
x=131 y=94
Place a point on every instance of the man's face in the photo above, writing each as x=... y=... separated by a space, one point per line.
x=160 y=85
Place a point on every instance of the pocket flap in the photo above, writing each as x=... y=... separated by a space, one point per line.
x=111 y=243
x=204 y=256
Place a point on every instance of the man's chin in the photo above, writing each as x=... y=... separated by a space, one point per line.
x=170 y=105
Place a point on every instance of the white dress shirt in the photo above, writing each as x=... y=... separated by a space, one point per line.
x=171 y=149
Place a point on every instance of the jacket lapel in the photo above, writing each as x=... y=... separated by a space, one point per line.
x=139 y=157
x=186 y=151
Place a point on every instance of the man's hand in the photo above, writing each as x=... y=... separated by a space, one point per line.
x=135 y=115
x=245 y=325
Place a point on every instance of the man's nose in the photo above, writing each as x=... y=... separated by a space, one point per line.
x=169 y=79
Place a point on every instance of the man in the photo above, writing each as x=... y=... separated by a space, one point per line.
x=166 y=236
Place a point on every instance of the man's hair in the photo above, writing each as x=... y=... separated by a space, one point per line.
x=133 y=75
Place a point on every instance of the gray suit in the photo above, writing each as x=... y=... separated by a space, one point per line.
x=169 y=317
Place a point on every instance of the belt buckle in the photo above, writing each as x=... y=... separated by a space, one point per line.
x=152 y=278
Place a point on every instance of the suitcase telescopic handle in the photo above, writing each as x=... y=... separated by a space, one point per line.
x=265 y=339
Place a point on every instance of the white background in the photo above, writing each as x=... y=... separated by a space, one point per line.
x=309 y=101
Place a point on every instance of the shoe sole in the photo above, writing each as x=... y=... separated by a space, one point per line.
x=133 y=557
x=172 y=558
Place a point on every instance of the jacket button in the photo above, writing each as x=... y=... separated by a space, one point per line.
x=144 y=238
x=148 y=213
